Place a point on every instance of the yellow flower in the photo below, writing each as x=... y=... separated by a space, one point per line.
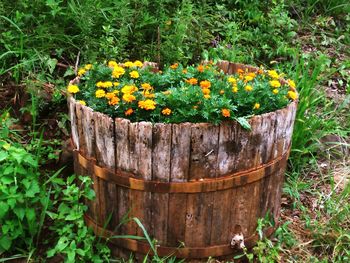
x=82 y=102
x=112 y=64
x=184 y=71
x=116 y=84
x=146 y=86
x=129 y=89
x=256 y=106
x=166 y=111
x=207 y=96
x=200 y=68
x=88 y=66
x=129 y=64
x=222 y=92
x=291 y=83
x=100 y=93
x=128 y=112
x=248 y=88
x=138 y=63
x=275 y=83
x=192 y=81
x=234 y=89
x=102 y=84
x=117 y=72
x=174 y=66
x=114 y=101
x=81 y=72
x=292 y=95
x=134 y=74
x=73 y=89
x=226 y=113
x=232 y=80
x=248 y=78
x=168 y=23
x=206 y=91
x=205 y=84
x=273 y=74
x=116 y=92
x=129 y=97
x=147 y=104
x=275 y=91
x=99 y=84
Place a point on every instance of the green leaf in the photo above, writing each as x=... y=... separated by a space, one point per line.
x=52 y=62
x=69 y=72
x=33 y=189
x=5 y=242
x=244 y=123
x=7 y=180
x=3 y=155
x=62 y=243
x=30 y=214
x=20 y=212
x=4 y=207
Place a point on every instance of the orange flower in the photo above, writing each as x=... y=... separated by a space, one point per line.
x=240 y=71
x=128 y=112
x=205 y=84
x=114 y=101
x=166 y=111
x=222 y=92
x=200 y=68
x=184 y=71
x=192 y=81
x=174 y=66
x=226 y=113
x=206 y=91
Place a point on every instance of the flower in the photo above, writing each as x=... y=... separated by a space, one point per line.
x=232 y=80
x=82 y=102
x=205 y=84
x=129 y=97
x=106 y=84
x=275 y=83
x=184 y=71
x=110 y=95
x=134 y=74
x=117 y=72
x=275 y=91
x=146 y=86
x=234 y=89
x=114 y=101
x=128 y=112
x=166 y=111
x=81 y=72
x=192 y=81
x=88 y=66
x=248 y=88
x=200 y=68
x=226 y=113
x=248 y=78
x=112 y=64
x=292 y=95
x=240 y=71
x=206 y=91
x=100 y=93
x=116 y=84
x=73 y=89
x=174 y=66
x=222 y=92
x=147 y=104
x=207 y=96
x=256 y=106
x=129 y=64
x=129 y=89
x=291 y=83
x=273 y=74
x=138 y=63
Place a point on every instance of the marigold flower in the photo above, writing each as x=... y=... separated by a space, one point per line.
x=291 y=83
x=234 y=89
x=232 y=80
x=114 y=101
x=148 y=94
x=174 y=66
x=106 y=84
x=116 y=84
x=73 y=89
x=129 y=64
x=206 y=91
x=112 y=64
x=100 y=93
x=88 y=66
x=184 y=71
x=275 y=83
x=192 y=81
x=256 y=106
x=166 y=111
x=222 y=92
x=292 y=95
x=138 y=63
x=275 y=91
x=134 y=74
x=205 y=84
x=248 y=78
x=200 y=68
x=81 y=72
x=207 y=96
x=82 y=102
x=110 y=95
x=129 y=89
x=146 y=86
x=117 y=72
x=147 y=104
x=128 y=112
x=226 y=113
x=116 y=92
x=248 y=88
x=240 y=71
x=273 y=74
x=129 y=97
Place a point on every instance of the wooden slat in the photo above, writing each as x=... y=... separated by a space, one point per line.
x=160 y=171
x=73 y=121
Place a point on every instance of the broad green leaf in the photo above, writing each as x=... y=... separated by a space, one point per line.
x=33 y=189
x=3 y=155
x=4 y=207
x=5 y=242
x=20 y=212
x=30 y=214
x=244 y=123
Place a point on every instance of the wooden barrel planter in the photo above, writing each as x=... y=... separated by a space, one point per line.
x=195 y=187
